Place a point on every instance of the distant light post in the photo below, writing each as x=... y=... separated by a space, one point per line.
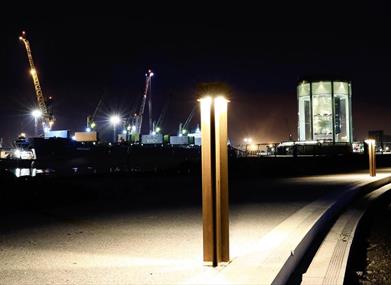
x=372 y=156
x=214 y=158
x=115 y=120
x=36 y=114
x=247 y=141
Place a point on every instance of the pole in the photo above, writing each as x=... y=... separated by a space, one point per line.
x=373 y=160
x=372 y=157
x=214 y=158
x=222 y=205
x=114 y=133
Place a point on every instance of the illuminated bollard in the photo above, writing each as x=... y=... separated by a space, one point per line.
x=214 y=157
x=372 y=156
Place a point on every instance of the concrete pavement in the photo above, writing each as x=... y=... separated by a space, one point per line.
x=164 y=246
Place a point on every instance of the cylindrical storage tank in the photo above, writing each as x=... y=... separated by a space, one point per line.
x=325 y=113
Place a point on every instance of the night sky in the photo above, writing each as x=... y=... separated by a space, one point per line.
x=259 y=51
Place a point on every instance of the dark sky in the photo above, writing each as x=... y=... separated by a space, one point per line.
x=260 y=51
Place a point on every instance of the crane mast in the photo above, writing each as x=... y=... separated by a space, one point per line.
x=47 y=117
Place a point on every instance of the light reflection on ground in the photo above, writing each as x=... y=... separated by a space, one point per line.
x=154 y=246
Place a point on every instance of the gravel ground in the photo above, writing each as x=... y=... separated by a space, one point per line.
x=378 y=260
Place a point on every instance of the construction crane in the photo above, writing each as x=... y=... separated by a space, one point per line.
x=44 y=104
x=158 y=125
x=151 y=127
x=137 y=119
x=91 y=125
x=183 y=130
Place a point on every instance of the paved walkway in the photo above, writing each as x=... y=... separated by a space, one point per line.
x=164 y=246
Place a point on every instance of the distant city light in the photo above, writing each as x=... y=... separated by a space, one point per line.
x=248 y=140
x=115 y=120
x=150 y=73
x=36 y=113
x=17 y=153
x=157 y=129
x=88 y=130
x=253 y=147
x=124 y=132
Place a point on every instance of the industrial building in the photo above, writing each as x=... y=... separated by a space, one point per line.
x=325 y=111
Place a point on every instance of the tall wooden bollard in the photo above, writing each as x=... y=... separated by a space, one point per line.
x=372 y=156
x=214 y=157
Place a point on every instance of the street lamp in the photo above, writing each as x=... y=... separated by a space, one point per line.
x=115 y=120
x=36 y=114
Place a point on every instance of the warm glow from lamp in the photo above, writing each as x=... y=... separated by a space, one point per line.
x=370 y=141
x=220 y=104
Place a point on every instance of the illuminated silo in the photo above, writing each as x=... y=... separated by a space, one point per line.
x=325 y=111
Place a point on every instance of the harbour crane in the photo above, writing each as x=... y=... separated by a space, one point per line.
x=44 y=104
x=158 y=125
x=137 y=119
x=183 y=130
x=91 y=125
x=151 y=128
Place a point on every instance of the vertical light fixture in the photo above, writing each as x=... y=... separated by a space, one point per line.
x=214 y=157
x=372 y=156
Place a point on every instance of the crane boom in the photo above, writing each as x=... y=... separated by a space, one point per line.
x=97 y=107
x=163 y=113
x=139 y=116
x=91 y=118
x=183 y=127
x=189 y=118
x=48 y=119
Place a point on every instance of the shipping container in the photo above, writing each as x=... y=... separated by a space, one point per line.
x=86 y=136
